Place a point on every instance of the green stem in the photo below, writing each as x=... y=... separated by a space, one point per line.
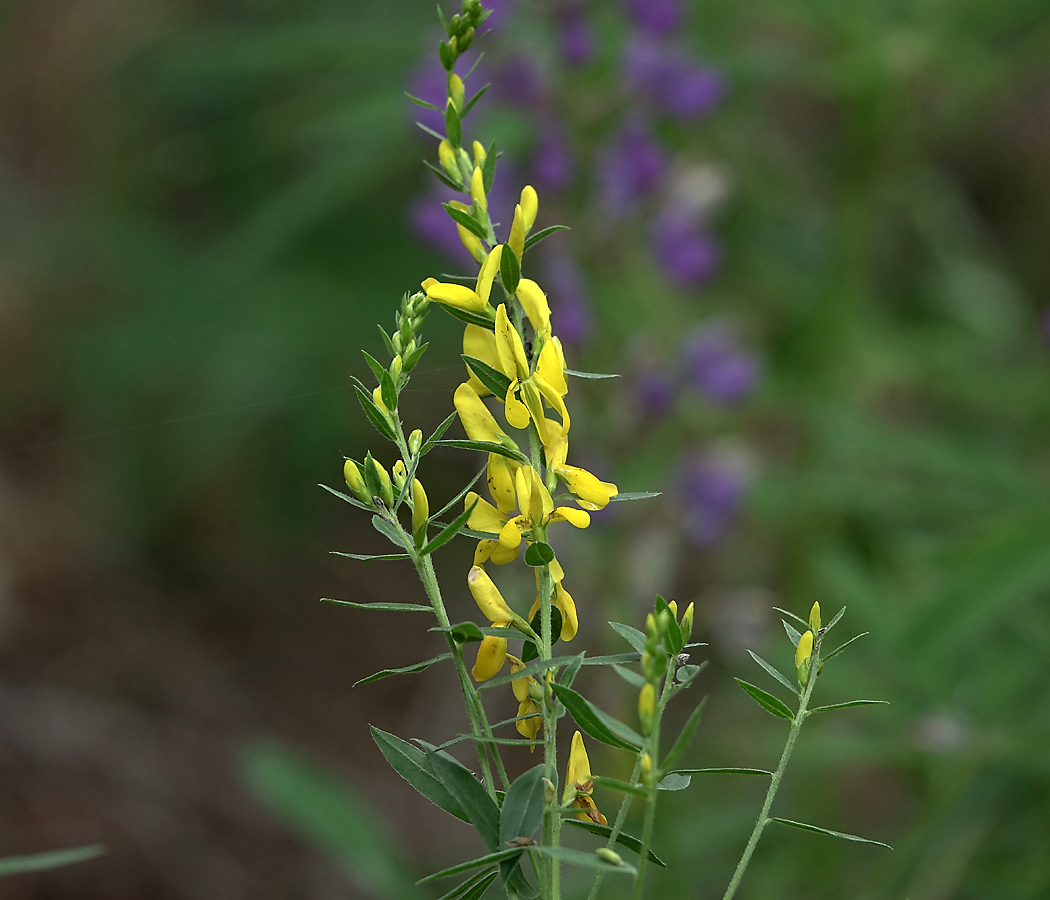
x=774 y=784
x=621 y=817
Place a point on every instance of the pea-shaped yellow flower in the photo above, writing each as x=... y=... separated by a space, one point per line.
x=462 y=297
x=579 y=783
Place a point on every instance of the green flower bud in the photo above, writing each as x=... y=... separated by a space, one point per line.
x=648 y=662
x=355 y=482
x=415 y=441
x=664 y=621
x=610 y=856
x=814 y=617
x=399 y=473
x=651 y=630
x=646 y=704
x=687 y=623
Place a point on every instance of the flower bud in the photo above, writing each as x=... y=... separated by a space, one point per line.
x=646 y=704
x=471 y=241
x=355 y=482
x=399 y=347
x=687 y=623
x=420 y=508
x=664 y=621
x=673 y=606
x=487 y=596
x=378 y=482
x=535 y=690
x=399 y=473
x=647 y=768
x=479 y=153
x=447 y=158
x=377 y=399
x=415 y=441
x=610 y=856
x=456 y=91
x=530 y=205
x=517 y=234
x=396 y=365
x=477 y=190
x=652 y=632
x=803 y=653
x=814 y=617
x=648 y=661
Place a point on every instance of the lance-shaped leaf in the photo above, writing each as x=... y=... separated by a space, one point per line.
x=593 y=375
x=370 y=557
x=472 y=101
x=375 y=365
x=412 y=764
x=684 y=738
x=835 y=620
x=437 y=435
x=772 y=671
x=381 y=607
x=632 y=635
x=488 y=168
x=53 y=859
x=509 y=270
x=485 y=447
x=626 y=840
x=767 y=701
x=466 y=220
x=442 y=176
x=838 y=834
x=599 y=725
x=723 y=771
x=633 y=678
x=387 y=530
x=469 y=316
x=387 y=390
x=838 y=650
x=637 y=495
x=375 y=416
x=522 y=809
x=469 y=793
x=639 y=790
x=793 y=635
x=533 y=668
x=473 y=887
x=791 y=615
x=482 y=861
x=542 y=233
x=449 y=532
x=404 y=670
x=453 y=125
x=353 y=501
x=849 y=704
x=412 y=359
x=492 y=378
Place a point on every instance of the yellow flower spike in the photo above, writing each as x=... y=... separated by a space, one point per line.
x=500 y=474
x=477 y=190
x=457 y=295
x=803 y=654
x=420 y=507
x=447 y=158
x=481 y=344
x=579 y=783
x=492 y=653
x=478 y=422
x=479 y=153
x=646 y=706
x=516 y=241
x=590 y=492
x=530 y=205
x=456 y=91
x=533 y=301
x=399 y=473
x=487 y=596
x=489 y=270
x=814 y=617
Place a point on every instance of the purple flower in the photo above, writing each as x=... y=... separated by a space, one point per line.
x=688 y=254
x=654 y=392
x=517 y=81
x=712 y=488
x=501 y=10
x=429 y=83
x=655 y=16
x=575 y=37
x=630 y=167
x=664 y=74
x=567 y=291
x=431 y=224
x=552 y=163
x=717 y=365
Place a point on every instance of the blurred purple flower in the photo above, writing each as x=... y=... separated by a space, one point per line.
x=565 y=285
x=501 y=10
x=655 y=16
x=717 y=365
x=712 y=490
x=666 y=75
x=431 y=224
x=654 y=392
x=428 y=83
x=575 y=37
x=552 y=162
x=630 y=167
x=517 y=81
x=688 y=254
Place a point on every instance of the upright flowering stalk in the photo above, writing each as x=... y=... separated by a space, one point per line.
x=513 y=409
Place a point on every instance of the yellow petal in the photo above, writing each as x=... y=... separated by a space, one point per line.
x=541 y=506
x=575 y=517
x=557 y=572
x=457 y=295
x=523 y=489
x=492 y=653
x=509 y=347
x=485 y=516
x=533 y=403
x=534 y=302
x=487 y=596
x=517 y=413
x=554 y=399
x=530 y=205
x=551 y=368
x=570 y=623
x=478 y=422
x=477 y=190
x=472 y=242
x=578 y=770
x=488 y=272
x=517 y=234
x=510 y=534
x=529 y=727
x=479 y=153
x=500 y=476
x=420 y=506
x=591 y=492
x=481 y=344
x=494 y=551
x=804 y=649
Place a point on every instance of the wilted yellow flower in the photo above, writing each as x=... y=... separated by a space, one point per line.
x=562 y=599
x=528 y=693
x=492 y=653
x=579 y=783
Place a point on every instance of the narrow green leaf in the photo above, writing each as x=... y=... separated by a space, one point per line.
x=436 y=436
x=469 y=105
x=453 y=125
x=374 y=364
x=412 y=764
x=637 y=495
x=522 y=809
x=414 y=357
x=375 y=416
x=613 y=659
x=382 y=607
x=430 y=131
x=838 y=650
x=674 y=781
x=455 y=500
x=615 y=784
x=387 y=530
x=445 y=55
x=481 y=861
x=732 y=770
x=681 y=744
x=464 y=632
x=793 y=635
x=468 y=316
x=443 y=20
x=767 y=701
x=353 y=501
x=633 y=636
x=584 y=860
x=673 y=638
x=488 y=168
x=485 y=447
x=388 y=391
x=838 y=834
x=635 y=679
x=850 y=703
x=791 y=615
x=509 y=269
x=492 y=378
x=404 y=670
x=370 y=557
x=835 y=620
x=599 y=725
x=772 y=671
x=592 y=375
x=545 y=232
x=449 y=532
x=539 y=554
x=53 y=859
x=467 y=888
x=626 y=840
x=422 y=103
x=466 y=220
x=386 y=340
x=469 y=793
x=572 y=670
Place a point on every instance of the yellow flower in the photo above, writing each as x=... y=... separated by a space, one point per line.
x=590 y=491
x=517 y=234
x=803 y=654
x=462 y=297
x=536 y=307
x=478 y=422
x=456 y=91
x=579 y=783
x=477 y=190
x=528 y=693
x=479 y=153
x=492 y=652
x=530 y=205
x=563 y=601
x=447 y=158
x=487 y=596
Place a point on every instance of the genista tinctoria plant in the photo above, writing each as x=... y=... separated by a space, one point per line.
x=513 y=409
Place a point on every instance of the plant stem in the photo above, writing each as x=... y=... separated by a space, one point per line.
x=621 y=817
x=774 y=784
